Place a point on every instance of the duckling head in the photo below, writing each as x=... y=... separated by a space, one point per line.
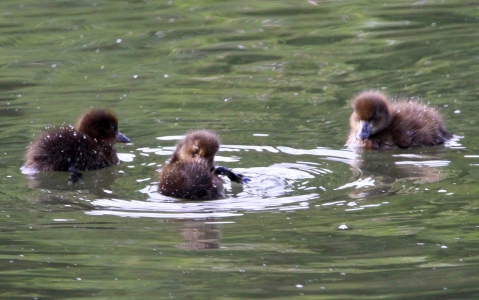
x=199 y=144
x=371 y=114
x=101 y=124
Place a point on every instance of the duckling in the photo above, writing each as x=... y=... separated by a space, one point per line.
x=87 y=146
x=377 y=123
x=191 y=173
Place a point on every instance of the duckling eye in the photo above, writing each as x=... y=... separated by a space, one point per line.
x=376 y=114
x=113 y=128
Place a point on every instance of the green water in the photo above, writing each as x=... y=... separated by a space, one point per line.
x=273 y=79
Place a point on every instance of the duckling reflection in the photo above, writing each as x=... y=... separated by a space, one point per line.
x=191 y=173
x=57 y=201
x=199 y=235
x=377 y=123
x=87 y=146
x=98 y=183
x=395 y=172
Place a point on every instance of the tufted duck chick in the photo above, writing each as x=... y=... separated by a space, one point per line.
x=378 y=123
x=87 y=146
x=191 y=173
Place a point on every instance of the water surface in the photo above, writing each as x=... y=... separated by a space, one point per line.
x=274 y=80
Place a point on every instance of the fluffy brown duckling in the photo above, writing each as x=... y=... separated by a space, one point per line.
x=378 y=123
x=87 y=146
x=191 y=173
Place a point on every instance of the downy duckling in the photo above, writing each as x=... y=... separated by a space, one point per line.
x=191 y=173
x=378 y=123
x=87 y=146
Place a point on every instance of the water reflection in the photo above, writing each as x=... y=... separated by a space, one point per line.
x=383 y=172
x=421 y=168
x=55 y=188
x=98 y=182
x=379 y=172
x=200 y=235
x=279 y=186
x=343 y=155
x=160 y=206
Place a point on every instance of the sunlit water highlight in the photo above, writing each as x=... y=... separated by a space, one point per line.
x=268 y=189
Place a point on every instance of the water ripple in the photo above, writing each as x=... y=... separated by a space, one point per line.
x=165 y=207
x=347 y=156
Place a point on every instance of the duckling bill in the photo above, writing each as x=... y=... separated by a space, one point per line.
x=378 y=123
x=191 y=173
x=87 y=146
